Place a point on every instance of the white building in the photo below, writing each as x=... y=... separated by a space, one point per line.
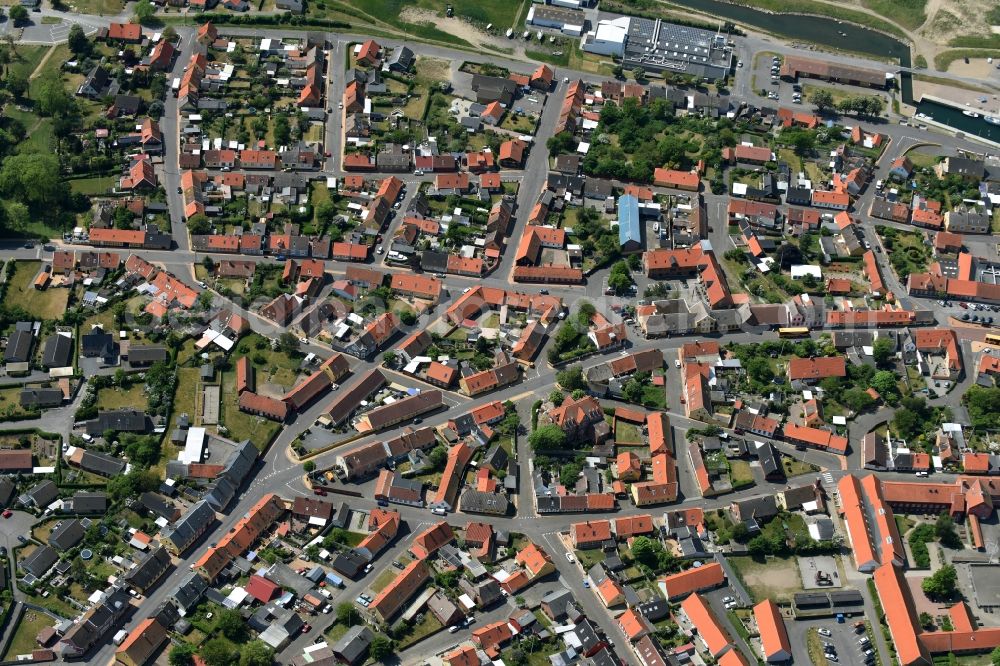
x=608 y=38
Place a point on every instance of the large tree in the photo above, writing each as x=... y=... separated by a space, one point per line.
x=547 y=437
x=883 y=351
x=33 y=179
x=942 y=584
x=181 y=654
x=77 y=40
x=51 y=95
x=380 y=648
x=18 y=14
x=256 y=653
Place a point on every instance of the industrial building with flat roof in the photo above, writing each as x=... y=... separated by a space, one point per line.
x=659 y=46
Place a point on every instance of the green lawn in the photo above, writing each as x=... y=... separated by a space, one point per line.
x=910 y=14
x=627 y=432
x=589 y=558
x=795 y=467
x=53 y=66
x=501 y=13
x=740 y=473
x=383 y=579
x=113 y=398
x=241 y=425
x=46 y=304
x=23 y=642
x=93 y=186
x=420 y=631
x=40 y=133
x=25 y=58
x=100 y=7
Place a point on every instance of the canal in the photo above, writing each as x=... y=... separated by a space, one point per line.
x=856 y=39
x=815 y=29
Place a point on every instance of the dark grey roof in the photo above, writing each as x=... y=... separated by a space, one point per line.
x=97 y=343
x=220 y=493
x=40 y=397
x=350 y=563
x=434 y=262
x=757 y=507
x=42 y=493
x=66 y=534
x=158 y=505
x=353 y=645
x=147 y=354
x=189 y=591
x=476 y=501
x=119 y=420
x=84 y=502
x=58 y=351
x=401 y=59
x=6 y=491
x=102 y=463
x=189 y=526
x=18 y=348
x=147 y=572
x=240 y=462
x=40 y=561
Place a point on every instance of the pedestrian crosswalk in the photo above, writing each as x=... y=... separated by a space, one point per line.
x=828 y=478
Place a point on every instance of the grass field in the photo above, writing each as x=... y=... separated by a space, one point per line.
x=47 y=304
x=241 y=425
x=740 y=473
x=24 y=637
x=420 y=631
x=53 y=65
x=93 y=186
x=26 y=58
x=498 y=12
x=627 y=432
x=40 y=136
x=909 y=14
x=113 y=398
x=100 y=7
x=795 y=467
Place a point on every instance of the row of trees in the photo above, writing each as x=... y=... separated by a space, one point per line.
x=870 y=106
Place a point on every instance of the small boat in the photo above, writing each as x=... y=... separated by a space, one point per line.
x=971 y=114
x=992 y=120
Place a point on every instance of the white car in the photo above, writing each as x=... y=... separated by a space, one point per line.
x=823 y=631
x=304 y=341
x=739 y=63
x=569 y=558
x=677 y=363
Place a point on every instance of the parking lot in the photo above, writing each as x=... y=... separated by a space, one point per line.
x=842 y=637
x=765 y=77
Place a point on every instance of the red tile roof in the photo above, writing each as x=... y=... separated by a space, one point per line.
x=773 y=635
x=695 y=579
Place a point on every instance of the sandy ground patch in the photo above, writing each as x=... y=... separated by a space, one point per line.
x=947 y=19
x=978 y=68
x=777 y=579
x=454 y=26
